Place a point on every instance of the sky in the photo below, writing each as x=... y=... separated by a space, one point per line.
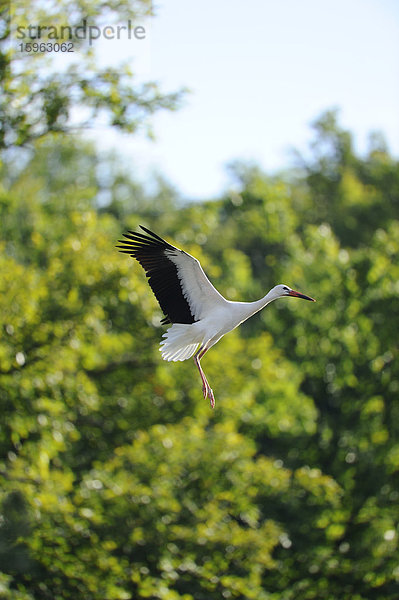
x=259 y=73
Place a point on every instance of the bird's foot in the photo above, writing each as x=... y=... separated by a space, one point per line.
x=205 y=391
x=211 y=398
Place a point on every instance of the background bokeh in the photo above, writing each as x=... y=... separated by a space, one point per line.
x=117 y=480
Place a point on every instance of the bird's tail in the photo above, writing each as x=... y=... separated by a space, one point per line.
x=178 y=343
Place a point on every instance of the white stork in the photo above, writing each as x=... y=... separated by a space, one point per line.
x=200 y=316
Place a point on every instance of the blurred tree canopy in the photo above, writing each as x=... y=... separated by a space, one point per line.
x=117 y=481
x=42 y=94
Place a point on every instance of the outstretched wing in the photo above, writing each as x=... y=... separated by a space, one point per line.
x=181 y=287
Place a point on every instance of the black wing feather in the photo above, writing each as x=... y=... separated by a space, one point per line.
x=149 y=251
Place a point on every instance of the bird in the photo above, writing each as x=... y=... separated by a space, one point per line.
x=199 y=315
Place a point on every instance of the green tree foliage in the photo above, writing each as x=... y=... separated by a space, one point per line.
x=343 y=189
x=41 y=94
x=117 y=480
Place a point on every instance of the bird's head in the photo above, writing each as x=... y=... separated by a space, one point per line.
x=281 y=290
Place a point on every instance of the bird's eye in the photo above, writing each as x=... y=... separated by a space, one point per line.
x=285 y=288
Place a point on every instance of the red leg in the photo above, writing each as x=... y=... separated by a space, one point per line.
x=201 y=372
x=206 y=388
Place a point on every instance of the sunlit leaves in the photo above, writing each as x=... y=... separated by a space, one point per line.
x=128 y=485
x=204 y=529
x=42 y=94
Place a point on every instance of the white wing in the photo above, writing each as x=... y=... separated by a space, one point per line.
x=181 y=287
x=200 y=294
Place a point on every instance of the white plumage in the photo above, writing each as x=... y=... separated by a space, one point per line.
x=199 y=314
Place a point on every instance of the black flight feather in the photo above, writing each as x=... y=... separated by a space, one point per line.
x=149 y=251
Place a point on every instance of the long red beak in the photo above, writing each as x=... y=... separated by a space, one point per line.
x=299 y=295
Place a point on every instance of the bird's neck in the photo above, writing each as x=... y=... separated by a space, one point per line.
x=259 y=304
x=250 y=308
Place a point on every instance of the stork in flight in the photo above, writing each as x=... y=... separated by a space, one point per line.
x=200 y=316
